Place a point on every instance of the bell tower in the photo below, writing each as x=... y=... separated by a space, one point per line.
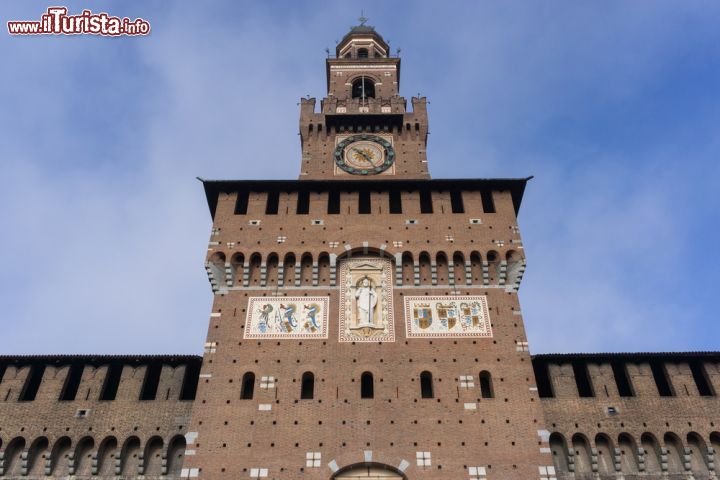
x=364 y=128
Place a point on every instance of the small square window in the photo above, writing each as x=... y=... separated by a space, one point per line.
x=423 y=459
x=477 y=473
x=312 y=459
x=547 y=473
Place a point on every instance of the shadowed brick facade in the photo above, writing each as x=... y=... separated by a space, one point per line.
x=430 y=378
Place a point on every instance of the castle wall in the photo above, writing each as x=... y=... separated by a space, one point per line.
x=85 y=436
x=648 y=431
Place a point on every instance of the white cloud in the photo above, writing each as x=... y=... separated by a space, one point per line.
x=106 y=227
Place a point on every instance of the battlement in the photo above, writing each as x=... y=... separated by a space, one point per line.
x=620 y=414
x=95 y=415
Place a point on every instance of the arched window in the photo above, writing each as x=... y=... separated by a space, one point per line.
x=248 y=386
x=426 y=384
x=363 y=53
x=486 y=388
x=367 y=385
x=307 y=390
x=363 y=88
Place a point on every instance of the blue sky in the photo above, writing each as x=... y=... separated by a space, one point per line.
x=614 y=106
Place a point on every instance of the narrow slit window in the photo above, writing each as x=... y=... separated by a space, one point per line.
x=662 y=382
x=582 y=380
x=456 y=201
x=72 y=382
x=488 y=203
x=248 y=386
x=241 y=203
x=395 y=201
x=622 y=380
x=273 y=201
x=151 y=381
x=190 y=381
x=701 y=380
x=542 y=379
x=32 y=383
x=333 y=203
x=303 y=203
x=112 y=382
x=367 y=385
x=426 y=205
x=426 y=385
x=364 y=206
x=486 y=386
x=307 y=389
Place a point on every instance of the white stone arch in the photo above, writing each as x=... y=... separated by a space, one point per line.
x=369 y=471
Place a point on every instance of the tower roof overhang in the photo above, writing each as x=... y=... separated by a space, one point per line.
x=213 y=188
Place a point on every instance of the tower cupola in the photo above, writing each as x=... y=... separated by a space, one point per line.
x=362 y=41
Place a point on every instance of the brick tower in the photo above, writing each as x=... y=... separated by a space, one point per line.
x=366 y=321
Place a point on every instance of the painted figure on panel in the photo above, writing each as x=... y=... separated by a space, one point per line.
x=312 y=311
x=286 y=318
x=288 y=315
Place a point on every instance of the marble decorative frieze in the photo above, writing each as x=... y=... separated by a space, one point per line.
x=287 y=317
x=447 y=317
x=366 y=300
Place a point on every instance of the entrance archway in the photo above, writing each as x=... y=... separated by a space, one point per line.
x=369 y=471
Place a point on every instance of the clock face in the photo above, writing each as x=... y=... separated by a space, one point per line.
x=364 y=154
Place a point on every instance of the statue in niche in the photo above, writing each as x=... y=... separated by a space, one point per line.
x=366 y=299
x=365 y=302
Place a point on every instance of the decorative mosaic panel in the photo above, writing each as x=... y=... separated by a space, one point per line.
x=447 y=316
x=366 y=300
x=287 y=317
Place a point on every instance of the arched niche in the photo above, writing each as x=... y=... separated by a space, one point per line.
x=369 y=471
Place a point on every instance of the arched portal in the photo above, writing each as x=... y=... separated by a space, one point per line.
x=369 y=471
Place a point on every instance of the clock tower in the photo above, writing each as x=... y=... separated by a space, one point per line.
x=365 y=321
x=364 y=127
